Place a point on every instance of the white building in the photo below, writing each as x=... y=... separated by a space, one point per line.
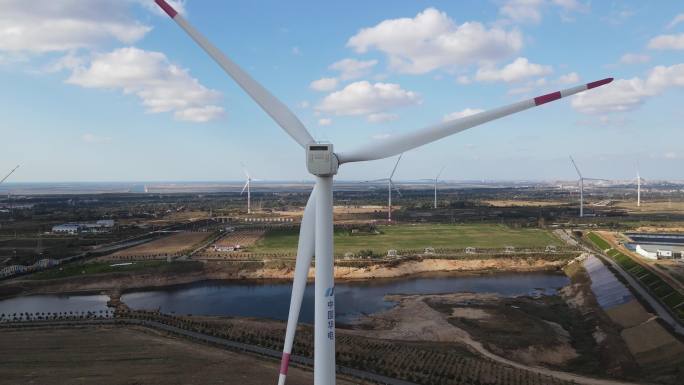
x=67 y=228
x=646 y=253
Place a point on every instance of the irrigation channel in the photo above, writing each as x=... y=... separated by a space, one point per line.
x=272 y=299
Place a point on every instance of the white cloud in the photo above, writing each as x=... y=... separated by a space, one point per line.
x=678 y=19
x=528 y=86
x=296 y=51
x=432 y=40
x=634 y=58
x=628 y=94
x=381 y=136
x=94 y=139
x=463 y=79
x=160 y=85
x=352 y=68
x=325 y=122
x=570 y=5
x=364 y=98
x=519 y=69
x=570 y=78
x=621 y=95
x=461 y=114
x=324 y=84
x=65 y=25
x=304 y=104
x=667 y=42
x=530 y=11
x=382 y=117
x=523 y=11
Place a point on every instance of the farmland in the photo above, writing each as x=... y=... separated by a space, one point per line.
x=171 y=245
x=416 y=236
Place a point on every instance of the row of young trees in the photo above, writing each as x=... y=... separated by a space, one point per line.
x=415 y=362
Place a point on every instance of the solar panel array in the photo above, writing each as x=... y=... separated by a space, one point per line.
x=609 y=292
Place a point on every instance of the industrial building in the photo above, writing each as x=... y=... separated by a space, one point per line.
x=101 y=226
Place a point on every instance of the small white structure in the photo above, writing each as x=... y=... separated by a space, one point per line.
x=664 y=253
x=429 y=250
x=645 y=253
x=391 y=253
x=551 y=248
x=509 y=249
x=67 y=228
x=470 y=250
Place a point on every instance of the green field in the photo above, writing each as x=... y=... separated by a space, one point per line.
x=74 y=269
x=412 y=237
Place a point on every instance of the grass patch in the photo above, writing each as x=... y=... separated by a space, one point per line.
x=598 y=241
x=403 y=237
x=76 y=269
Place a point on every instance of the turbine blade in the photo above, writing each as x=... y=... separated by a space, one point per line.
x=10 y=173
x=576 y=168
x=244 y=188
x=411 y=140
x=269 y=103
x=440 y=172
x=305 y=252
x=395 y=166
x=244 y=169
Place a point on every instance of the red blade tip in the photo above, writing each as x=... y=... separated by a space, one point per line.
x=166 y=7
x=599 y=83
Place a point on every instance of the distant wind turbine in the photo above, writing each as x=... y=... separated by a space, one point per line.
x=436 y=180
x=638 y=179
x=390 y=186
x=248 y=188
x=581 y=184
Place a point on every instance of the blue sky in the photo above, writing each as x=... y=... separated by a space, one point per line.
x=115 y=91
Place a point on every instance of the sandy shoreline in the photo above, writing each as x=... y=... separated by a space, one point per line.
x=120 y=282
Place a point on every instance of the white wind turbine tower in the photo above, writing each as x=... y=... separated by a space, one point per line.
x=581 y=184
x=436 y=180
x=390 y=185
x=638 y=187
x=248 y=184
x=316 y=230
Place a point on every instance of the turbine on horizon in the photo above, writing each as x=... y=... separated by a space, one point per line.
x=390 y=185
x=316 y=230
x=436 y=181
x=581 y=185
x=248 y=187
x=638 y=180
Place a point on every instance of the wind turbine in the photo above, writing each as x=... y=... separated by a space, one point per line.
x=638 y=187
x=248 y=187
x=10 y=173
x=436 y=179
x=581 y=183
x=316 y=230
x=390 y=185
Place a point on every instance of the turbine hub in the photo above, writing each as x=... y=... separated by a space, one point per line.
x=321 y=160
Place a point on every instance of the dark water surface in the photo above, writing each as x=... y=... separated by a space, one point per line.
x=272 y=300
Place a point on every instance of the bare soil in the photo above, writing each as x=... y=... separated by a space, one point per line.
x=118 y=355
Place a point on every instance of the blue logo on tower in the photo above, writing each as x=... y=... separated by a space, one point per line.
x=329 y=292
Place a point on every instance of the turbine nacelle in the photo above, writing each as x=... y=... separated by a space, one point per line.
x=321 y=160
